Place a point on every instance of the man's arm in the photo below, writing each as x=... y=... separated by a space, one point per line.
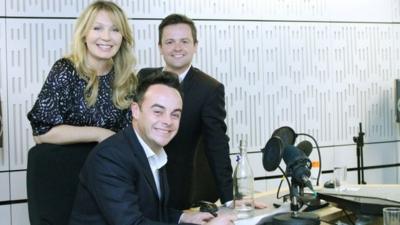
x=111 y=179
x=110 y=182
x=216 y=142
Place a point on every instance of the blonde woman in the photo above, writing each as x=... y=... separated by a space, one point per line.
x=85 y=99
x=87 y=95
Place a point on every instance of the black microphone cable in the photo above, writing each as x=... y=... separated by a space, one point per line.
x=280 y=184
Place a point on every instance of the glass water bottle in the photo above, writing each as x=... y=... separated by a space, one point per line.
x=243 y=185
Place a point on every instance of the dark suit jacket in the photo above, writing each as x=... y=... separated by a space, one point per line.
x=202 y=118
x=116 y=186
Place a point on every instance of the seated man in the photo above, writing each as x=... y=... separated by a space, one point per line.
x=123 y=180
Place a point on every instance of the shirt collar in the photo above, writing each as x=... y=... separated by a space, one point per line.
x=155 y=160
x=182 y=75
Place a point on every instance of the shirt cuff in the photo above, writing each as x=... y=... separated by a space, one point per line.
x=228 y=204
x=179 y=221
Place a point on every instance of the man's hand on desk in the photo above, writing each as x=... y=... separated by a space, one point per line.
x=207 y=219
x=259 y=205
x=223 y=219
x=195 y=217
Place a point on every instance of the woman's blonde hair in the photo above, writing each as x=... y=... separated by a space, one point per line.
x=123 y=62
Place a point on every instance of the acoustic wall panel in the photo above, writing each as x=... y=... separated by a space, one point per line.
x=380 y=154
x=396 y=72
x=300 y=75
x=19 y=214
x=45 y=8
x=395 y=10
x=360 y=10
x=301 y=10
x=274 y=74
x=228 y=9
x=231 y=57
x=5 y=215
x=146 y=43
x=18 y=184
x=2 y=7
x=363 y=81
x=301 y=87
x=389 y=175
x=374 y=155
x=3 y=99
x=4 y=186
x=33 y=47
x=318 y=66
x=395 y=66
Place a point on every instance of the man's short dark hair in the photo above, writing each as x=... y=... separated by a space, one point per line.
x=159 y=77
x=177 y=19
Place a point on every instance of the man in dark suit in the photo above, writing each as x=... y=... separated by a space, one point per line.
x=123 y=180
x=202 y=120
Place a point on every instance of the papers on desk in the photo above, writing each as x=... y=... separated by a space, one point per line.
x=262 y=215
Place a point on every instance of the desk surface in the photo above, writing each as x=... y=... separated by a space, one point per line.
x=364 y=199
x=329 y=213
x=384 y=191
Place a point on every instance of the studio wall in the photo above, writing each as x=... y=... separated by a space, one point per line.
x=319 y=66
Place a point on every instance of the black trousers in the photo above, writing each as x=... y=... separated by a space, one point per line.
x=52 y=179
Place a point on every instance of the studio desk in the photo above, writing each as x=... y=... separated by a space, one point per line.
x=355 y=200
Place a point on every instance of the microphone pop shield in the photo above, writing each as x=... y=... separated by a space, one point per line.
x=286 y=134
x=272 y=153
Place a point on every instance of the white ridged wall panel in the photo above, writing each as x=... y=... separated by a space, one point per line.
x=16 y=211
x=2 y=8
x=4 y=161
x=45 y=8
x=395 y=4
x=314 y=10
x=4 y=187
x=18 y=184
x=306 y=76
x=5 y=215
x=146 y=42
x=34 y=47
x=361 y=60
x=361 y=10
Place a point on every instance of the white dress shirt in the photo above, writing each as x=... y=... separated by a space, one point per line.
x=156 y=161
x=182 y=75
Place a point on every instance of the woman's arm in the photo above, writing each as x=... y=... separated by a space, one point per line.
x=67 y=134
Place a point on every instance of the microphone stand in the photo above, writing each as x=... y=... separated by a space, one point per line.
x=295 y=217
x=359 y=140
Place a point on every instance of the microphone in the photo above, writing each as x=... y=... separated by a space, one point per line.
x=297 y=165
x=306 y=147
